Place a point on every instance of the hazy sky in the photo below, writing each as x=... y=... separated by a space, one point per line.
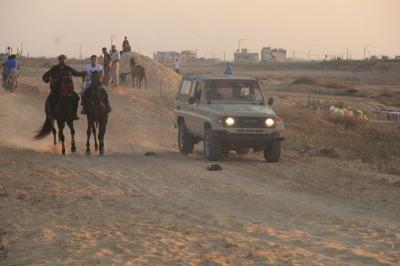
x=51 y=27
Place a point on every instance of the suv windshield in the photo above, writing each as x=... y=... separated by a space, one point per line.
x=233 y=90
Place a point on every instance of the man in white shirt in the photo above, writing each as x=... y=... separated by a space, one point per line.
x=115 y=57
x=88 y=70
x=177 y=65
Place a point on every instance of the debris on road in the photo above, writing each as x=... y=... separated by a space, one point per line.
x=214 y=167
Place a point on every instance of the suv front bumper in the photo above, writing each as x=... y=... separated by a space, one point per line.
x=247 y=140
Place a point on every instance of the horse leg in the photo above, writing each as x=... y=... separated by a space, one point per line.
x=96 y=145
x=101 y=140
x=72 y=129
x=53 y=129
x=102 y=132
x=61 y=126
x=88 y=132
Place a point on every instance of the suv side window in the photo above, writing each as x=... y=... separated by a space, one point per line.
x=198 y=91
x=184 y=91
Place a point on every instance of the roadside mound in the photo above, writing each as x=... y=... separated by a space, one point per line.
x=156 y=72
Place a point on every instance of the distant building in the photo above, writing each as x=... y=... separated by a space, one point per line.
x=166 y=56
x=273 y=55
x=397 y=57
x=245 y=57
x=187 y=55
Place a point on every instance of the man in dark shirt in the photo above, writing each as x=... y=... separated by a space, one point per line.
x=106 y=66
x=56 y=76
x=125 y=45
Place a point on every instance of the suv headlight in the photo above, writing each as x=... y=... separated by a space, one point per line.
x=269 y=122
x=229 y=121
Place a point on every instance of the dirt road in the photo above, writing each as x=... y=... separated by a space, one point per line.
x=129 y=209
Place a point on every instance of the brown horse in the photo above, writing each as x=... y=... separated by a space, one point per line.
x=138 y=73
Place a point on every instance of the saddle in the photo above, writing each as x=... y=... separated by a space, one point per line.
x=67 y=86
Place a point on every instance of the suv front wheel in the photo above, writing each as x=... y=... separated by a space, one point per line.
x=185 y=139
x=272 y=153
x=212 y=147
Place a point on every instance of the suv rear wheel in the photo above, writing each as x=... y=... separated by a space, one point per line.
x=272 y=153
x=185 y=139
x=212 y=147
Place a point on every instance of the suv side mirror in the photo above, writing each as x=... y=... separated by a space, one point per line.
x=191 y=100
x=270 y=101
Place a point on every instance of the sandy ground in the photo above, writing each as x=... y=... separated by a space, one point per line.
x=129 y=209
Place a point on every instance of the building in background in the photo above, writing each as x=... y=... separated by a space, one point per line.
x=244 y=56
x=166 y=56
x=170 y=56
x=188 y=56
x=273 y=55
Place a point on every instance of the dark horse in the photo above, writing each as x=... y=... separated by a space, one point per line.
x=97 y=113
x=138 y=73
x=64 y=114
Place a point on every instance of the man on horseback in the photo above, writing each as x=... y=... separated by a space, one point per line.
x=89 y=70
x=60 y=78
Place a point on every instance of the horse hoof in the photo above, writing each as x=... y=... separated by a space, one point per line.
x=73 y=148
x=88 y=152
x=63 y=152
x=96 y=148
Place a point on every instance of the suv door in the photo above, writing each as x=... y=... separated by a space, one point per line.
x=182 y=106
x=197 y=113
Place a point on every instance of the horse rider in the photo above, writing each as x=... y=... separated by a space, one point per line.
x=9 y=66
x=89 y=69
x=125 y=45
x=56 y=76
x=95 y=83
x=106 y=66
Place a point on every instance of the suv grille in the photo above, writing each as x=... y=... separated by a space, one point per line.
x=250 y=122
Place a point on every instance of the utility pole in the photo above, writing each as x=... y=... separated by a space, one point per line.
x=80 y=52
x=240 y=41
x=112 y=38
x=224 y=56
x=347 y=54
x=366 y=46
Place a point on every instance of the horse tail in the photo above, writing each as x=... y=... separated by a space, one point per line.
x=45 y=130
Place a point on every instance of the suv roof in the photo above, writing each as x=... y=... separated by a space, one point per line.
x=217 y=77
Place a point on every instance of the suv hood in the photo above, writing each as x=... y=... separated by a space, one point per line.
x=239 y=110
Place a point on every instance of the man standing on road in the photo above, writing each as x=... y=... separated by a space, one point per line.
x=115 y=57
x=106 y=66
x=177 y=66
x=228 y=69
